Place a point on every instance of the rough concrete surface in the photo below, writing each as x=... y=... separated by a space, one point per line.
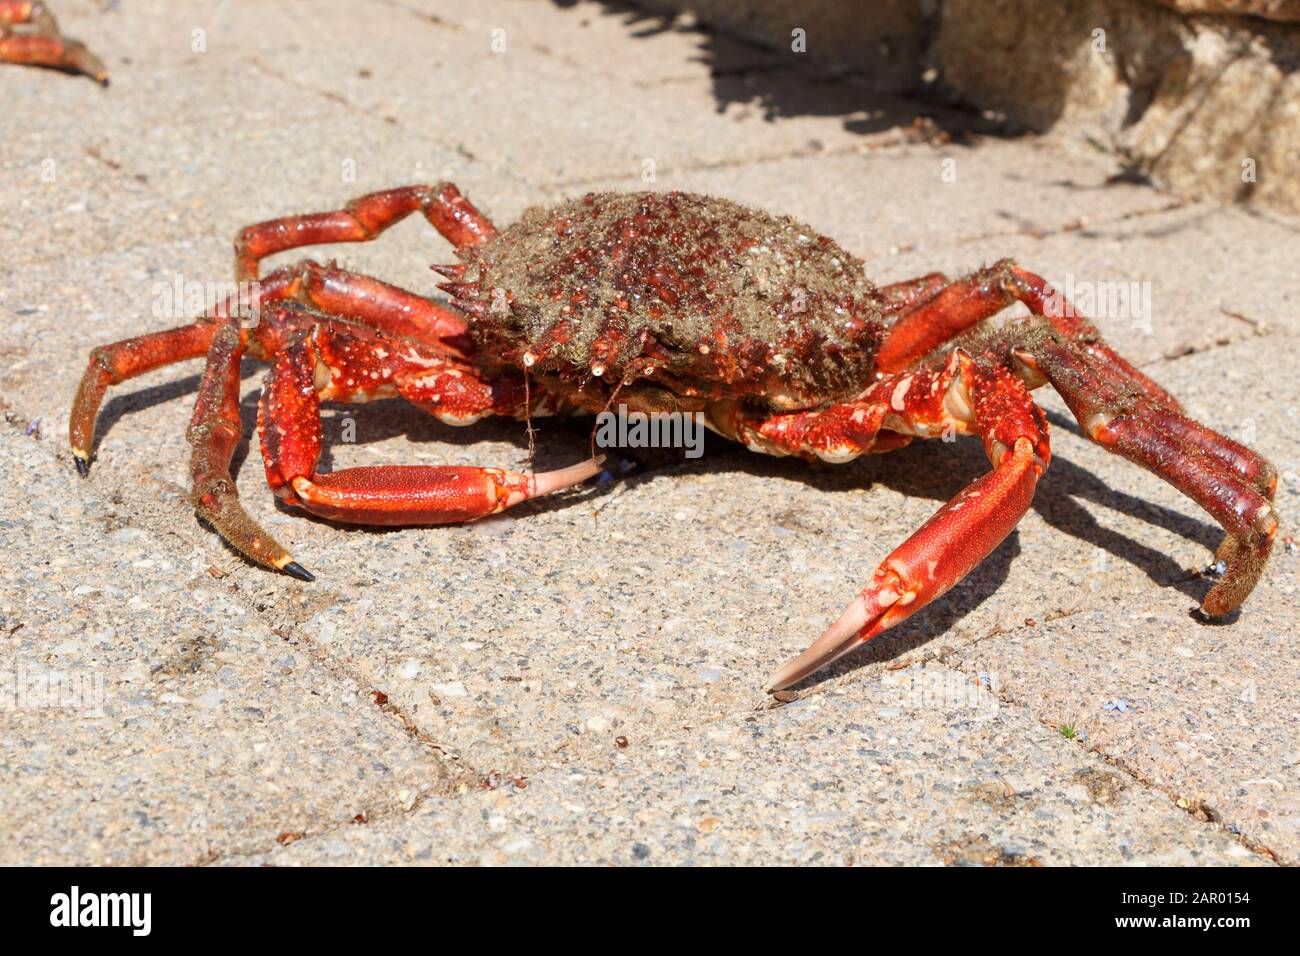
x=579 y=680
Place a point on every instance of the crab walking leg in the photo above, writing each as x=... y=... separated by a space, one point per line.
x=1156 y=440
x=337 y=293
x=216 y=427
x=931 y=322
x=336 y=364
x=214 y=434
x=1043 y=300
x=115 y=363
x=42 y=44
x=111 y=364
x=381 y=306
x=912 y=292
x=362 y=220
x=1253 y=467
x=962 y=533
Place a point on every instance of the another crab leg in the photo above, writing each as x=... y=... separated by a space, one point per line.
x=334 y=291
x=110 y=364
x=924 y=327
x=382 y=306
x=42 y=44
x=214 y=433
x=361 y=220
x=340 y=365
x=216 y=428
x=1206 y=467
x=912 y=292
x=355 y=352
x=963 y=532
x=119 y=361
x=1253 y=467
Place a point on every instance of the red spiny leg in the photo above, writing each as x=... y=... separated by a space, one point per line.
x=1229 y=481
x=912 y=292
x=1042 y=300
x=214 y=434
x=382 y=306
x=962 y=533
x=361 y=220
x=38 y=41
x=115 y=363
x=333 y=291
x=925 y=326
x=341 y=365
x=216 y=428
x=110 y=364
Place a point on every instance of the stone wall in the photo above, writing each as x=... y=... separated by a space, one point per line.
x=1207 y=106
x=1202 y=96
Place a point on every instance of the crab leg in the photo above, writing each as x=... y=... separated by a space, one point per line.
x=381 y=306
x=912 y=292
x=110 y=364
x=214 y=433
x=42 y=44
x=291 y=437
x=1219 y=475
x=338 y=293
x=931 y=322
x=342 y=365
x=362 y=220
x=961 y=534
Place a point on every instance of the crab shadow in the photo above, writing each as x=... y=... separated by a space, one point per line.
x=927 y=470
x=930 y=470
x=130 y=403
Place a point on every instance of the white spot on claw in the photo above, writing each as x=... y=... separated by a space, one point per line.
x=900 y=393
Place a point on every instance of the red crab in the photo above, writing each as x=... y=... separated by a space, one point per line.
x=684 y=303
x=37 y=40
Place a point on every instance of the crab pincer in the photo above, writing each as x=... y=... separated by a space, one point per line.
x=940 y=553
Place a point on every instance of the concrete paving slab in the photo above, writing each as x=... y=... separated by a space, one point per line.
x=149 y=717
x=913 y=772
x=580 y=130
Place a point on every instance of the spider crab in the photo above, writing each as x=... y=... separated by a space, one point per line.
x=29 y=34
x=673 y=302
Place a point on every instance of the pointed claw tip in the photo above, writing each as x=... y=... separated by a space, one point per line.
x=83 y=466
x=298 y=571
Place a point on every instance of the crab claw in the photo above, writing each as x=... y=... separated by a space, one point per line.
x=861 y=621
x=940 y=553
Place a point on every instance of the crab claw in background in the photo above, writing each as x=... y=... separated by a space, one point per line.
x=38 y=41
x=940 y=553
